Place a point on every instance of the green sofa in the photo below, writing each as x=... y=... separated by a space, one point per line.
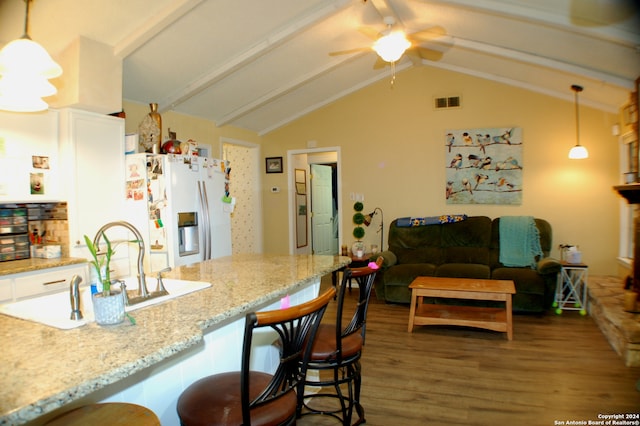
x=466 y=249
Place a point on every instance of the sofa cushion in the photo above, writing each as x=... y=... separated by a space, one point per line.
x=419 y=255
x=413 y=237
x=404 y=274
x=466 y=255
x=526 y=280
x=463 y=270
x=473 y=232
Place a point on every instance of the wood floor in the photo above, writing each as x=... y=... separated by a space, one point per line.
x=556 y=369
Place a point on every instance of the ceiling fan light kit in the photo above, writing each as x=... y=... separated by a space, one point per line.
x=391 y=46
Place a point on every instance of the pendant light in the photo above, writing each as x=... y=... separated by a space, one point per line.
x=578 y=152
x=25 y=70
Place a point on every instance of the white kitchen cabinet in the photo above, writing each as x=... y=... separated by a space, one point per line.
x=92 y=153
x=29 y=170
x=52 y=280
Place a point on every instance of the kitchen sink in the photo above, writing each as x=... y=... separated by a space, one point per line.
x=54 y=310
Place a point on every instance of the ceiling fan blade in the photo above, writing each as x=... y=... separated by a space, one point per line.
x=349 y=51
x=427 y=34
x=372 y=33
x=429 y=54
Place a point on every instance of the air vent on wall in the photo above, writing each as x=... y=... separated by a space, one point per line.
x=447 y=102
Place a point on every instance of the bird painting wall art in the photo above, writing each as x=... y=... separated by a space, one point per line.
x=483 y=166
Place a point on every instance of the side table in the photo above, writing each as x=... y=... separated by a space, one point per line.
x=356 y=262
x=571 y=288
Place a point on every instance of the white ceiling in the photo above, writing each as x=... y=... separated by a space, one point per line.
x=258 y=64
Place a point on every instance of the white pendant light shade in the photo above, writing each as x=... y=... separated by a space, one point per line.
x=26 y=56
x=578 y=152
x=24 y=92
x=25 y=70
x=392 y=46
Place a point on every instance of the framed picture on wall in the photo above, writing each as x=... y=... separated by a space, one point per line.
x=273 y=164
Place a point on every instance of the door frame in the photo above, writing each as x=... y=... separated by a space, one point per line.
x=291 y=192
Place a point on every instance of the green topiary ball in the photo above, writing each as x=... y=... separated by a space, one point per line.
x=358 y=232
x=358 y=218
x=358 y=206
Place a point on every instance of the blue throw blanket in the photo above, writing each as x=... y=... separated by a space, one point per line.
x=519 y=241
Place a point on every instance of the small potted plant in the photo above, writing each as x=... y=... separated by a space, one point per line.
x=358 y=232
x=108 y=304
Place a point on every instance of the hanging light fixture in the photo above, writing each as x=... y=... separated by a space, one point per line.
x=578 y=152
x=25 y=70
x=391 y=46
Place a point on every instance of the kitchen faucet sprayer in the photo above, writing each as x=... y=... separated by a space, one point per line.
x=74 y=296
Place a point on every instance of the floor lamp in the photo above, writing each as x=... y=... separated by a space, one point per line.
x=367 y=221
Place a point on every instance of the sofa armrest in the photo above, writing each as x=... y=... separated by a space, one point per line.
x=390 y=259
x=548 y=265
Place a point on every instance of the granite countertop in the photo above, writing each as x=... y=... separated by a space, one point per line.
x=34 y=264
x=43 y=368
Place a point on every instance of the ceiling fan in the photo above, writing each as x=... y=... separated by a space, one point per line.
x=391 y=43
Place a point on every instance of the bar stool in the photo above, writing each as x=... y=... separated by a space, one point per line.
x=253 y=397
x=107 y=414
x=338 y=349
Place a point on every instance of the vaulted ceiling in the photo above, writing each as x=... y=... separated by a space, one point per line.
x=259 y=64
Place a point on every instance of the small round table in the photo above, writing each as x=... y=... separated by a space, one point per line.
x=356 y=262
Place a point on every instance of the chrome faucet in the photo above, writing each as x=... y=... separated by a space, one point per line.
x=143 y=292
x=74 y=296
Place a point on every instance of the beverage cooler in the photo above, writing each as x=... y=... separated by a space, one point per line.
x=14 y=234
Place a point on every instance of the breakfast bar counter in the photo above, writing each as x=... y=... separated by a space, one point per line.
x=45 y=370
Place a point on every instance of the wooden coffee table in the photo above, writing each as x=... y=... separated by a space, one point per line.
x=496 y=319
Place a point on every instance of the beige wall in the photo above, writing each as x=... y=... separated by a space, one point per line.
x=392 y=149
x=187 y=127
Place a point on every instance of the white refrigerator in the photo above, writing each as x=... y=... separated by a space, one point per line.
x=182 y=207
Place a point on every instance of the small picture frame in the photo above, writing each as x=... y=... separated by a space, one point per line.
x=273 y=164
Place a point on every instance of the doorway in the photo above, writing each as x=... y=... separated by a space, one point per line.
x=323 y=222
x=324 y=206
x=246 y=228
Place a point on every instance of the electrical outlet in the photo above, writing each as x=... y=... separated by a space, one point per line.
x=275 y=189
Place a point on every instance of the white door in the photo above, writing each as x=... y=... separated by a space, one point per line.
x=322 y=220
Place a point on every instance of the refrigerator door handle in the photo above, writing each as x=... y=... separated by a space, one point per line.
x=206 y=220
x=203 y=222
x=206 y=204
